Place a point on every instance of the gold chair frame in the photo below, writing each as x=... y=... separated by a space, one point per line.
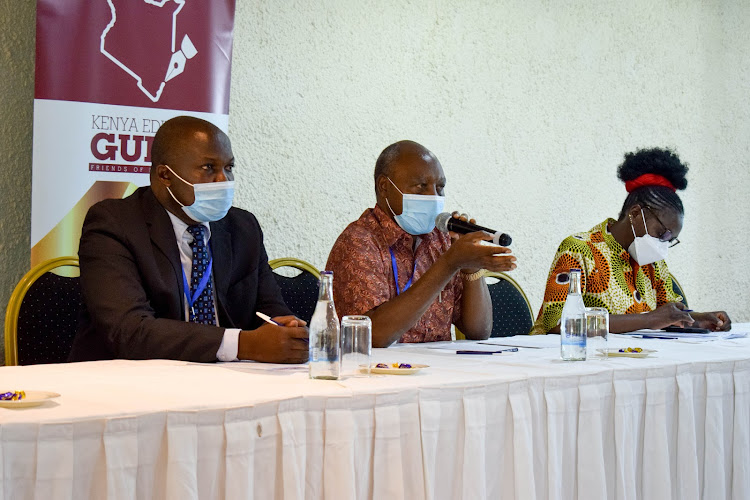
x=684 y=298
x=16 y=298
x=295 y=263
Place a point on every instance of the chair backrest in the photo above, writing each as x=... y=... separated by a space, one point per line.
x=42 y=315
x=511 y=310
x=300 y=292
x=676 y=288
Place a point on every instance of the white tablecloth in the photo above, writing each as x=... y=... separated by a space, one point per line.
x=518 y=426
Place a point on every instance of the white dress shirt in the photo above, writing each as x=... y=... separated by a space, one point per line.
x=230 y=343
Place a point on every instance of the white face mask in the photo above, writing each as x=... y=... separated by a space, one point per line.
x=212 y=199
x=647 y=249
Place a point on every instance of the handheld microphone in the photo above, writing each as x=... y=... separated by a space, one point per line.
x=446 y=222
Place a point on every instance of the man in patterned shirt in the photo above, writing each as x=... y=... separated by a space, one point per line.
x=393 y=265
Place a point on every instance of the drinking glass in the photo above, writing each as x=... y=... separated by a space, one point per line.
x=356 y=346
x=597 y=331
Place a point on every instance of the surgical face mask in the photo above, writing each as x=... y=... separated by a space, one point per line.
x=212 y=199
x=647 y=249
x=418 y=212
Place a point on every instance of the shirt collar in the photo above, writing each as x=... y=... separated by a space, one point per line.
x=180 y=228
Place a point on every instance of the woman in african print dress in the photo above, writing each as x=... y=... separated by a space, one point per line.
x=622 y=261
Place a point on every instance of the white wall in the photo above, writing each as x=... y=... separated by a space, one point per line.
x=529 y=105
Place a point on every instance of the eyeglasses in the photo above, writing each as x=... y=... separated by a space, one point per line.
x=667 y=234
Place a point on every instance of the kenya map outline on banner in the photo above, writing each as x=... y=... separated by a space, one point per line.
x=142 y=69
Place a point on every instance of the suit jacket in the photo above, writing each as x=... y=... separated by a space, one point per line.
x=131 y=280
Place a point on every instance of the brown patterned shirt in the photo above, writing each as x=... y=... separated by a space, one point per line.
x=363 y=276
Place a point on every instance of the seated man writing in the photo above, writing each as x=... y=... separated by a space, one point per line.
x=393 y=265
x=173 y=271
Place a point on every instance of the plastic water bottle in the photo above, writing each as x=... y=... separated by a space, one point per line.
x=325 y=333
x=573 y=321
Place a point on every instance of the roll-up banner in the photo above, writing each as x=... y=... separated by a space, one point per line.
x=108 y=74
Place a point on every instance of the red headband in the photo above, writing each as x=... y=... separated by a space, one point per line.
x=648 y=180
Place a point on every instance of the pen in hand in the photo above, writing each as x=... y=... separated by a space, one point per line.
x=267 y=318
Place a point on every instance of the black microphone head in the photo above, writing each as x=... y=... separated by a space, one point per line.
x=504 y=240
x=441 y=221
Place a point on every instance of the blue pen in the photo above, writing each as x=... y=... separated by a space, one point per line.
x=267 y=318
x=514 y=349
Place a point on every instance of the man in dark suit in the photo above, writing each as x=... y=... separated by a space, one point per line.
x=173 y=272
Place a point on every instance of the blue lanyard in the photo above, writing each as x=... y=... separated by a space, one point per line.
x=395 y=273
x=201 y=286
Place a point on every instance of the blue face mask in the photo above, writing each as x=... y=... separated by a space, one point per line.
x=212 y=199
x=418 y=212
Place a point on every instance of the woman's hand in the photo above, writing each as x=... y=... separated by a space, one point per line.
x=669 y=314
x=717 y=321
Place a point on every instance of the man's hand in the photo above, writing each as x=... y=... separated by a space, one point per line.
x=464 y=217
x=717 y=321
x=289 y=321
x=669 y=314
x=275 y=344
x=468 y=253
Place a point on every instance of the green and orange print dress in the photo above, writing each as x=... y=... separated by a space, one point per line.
x=609 y=278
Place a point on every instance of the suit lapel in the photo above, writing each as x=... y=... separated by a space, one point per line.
x=162 y=236
x=221 y=244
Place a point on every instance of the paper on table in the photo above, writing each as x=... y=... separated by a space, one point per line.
x=258 y=367
x=672 y=335
x=681 y=335
x=705 y=337
x=738 y=331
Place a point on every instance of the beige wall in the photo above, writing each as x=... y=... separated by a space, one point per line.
x=529 y=107
x=17 y=31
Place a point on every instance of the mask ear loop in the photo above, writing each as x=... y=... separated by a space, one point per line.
x=183 y=180
x=177 y=175
x=173 y=197
x=643 y=216
x=394 y=185
x=386 y=198
x=644 y=224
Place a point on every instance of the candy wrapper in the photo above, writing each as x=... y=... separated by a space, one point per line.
x=631 y=349
x=12 y=396
x=393 y=365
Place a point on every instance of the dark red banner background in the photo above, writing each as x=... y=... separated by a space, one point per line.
x=71 y=67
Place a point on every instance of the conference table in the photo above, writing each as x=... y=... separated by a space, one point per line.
x=518 y=425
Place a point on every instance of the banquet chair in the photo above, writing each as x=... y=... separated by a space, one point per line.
x=677 y=288
x=511 y=310
x=300 y=292
x=42 y=314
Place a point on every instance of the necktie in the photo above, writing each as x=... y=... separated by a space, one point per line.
x=203 y=307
